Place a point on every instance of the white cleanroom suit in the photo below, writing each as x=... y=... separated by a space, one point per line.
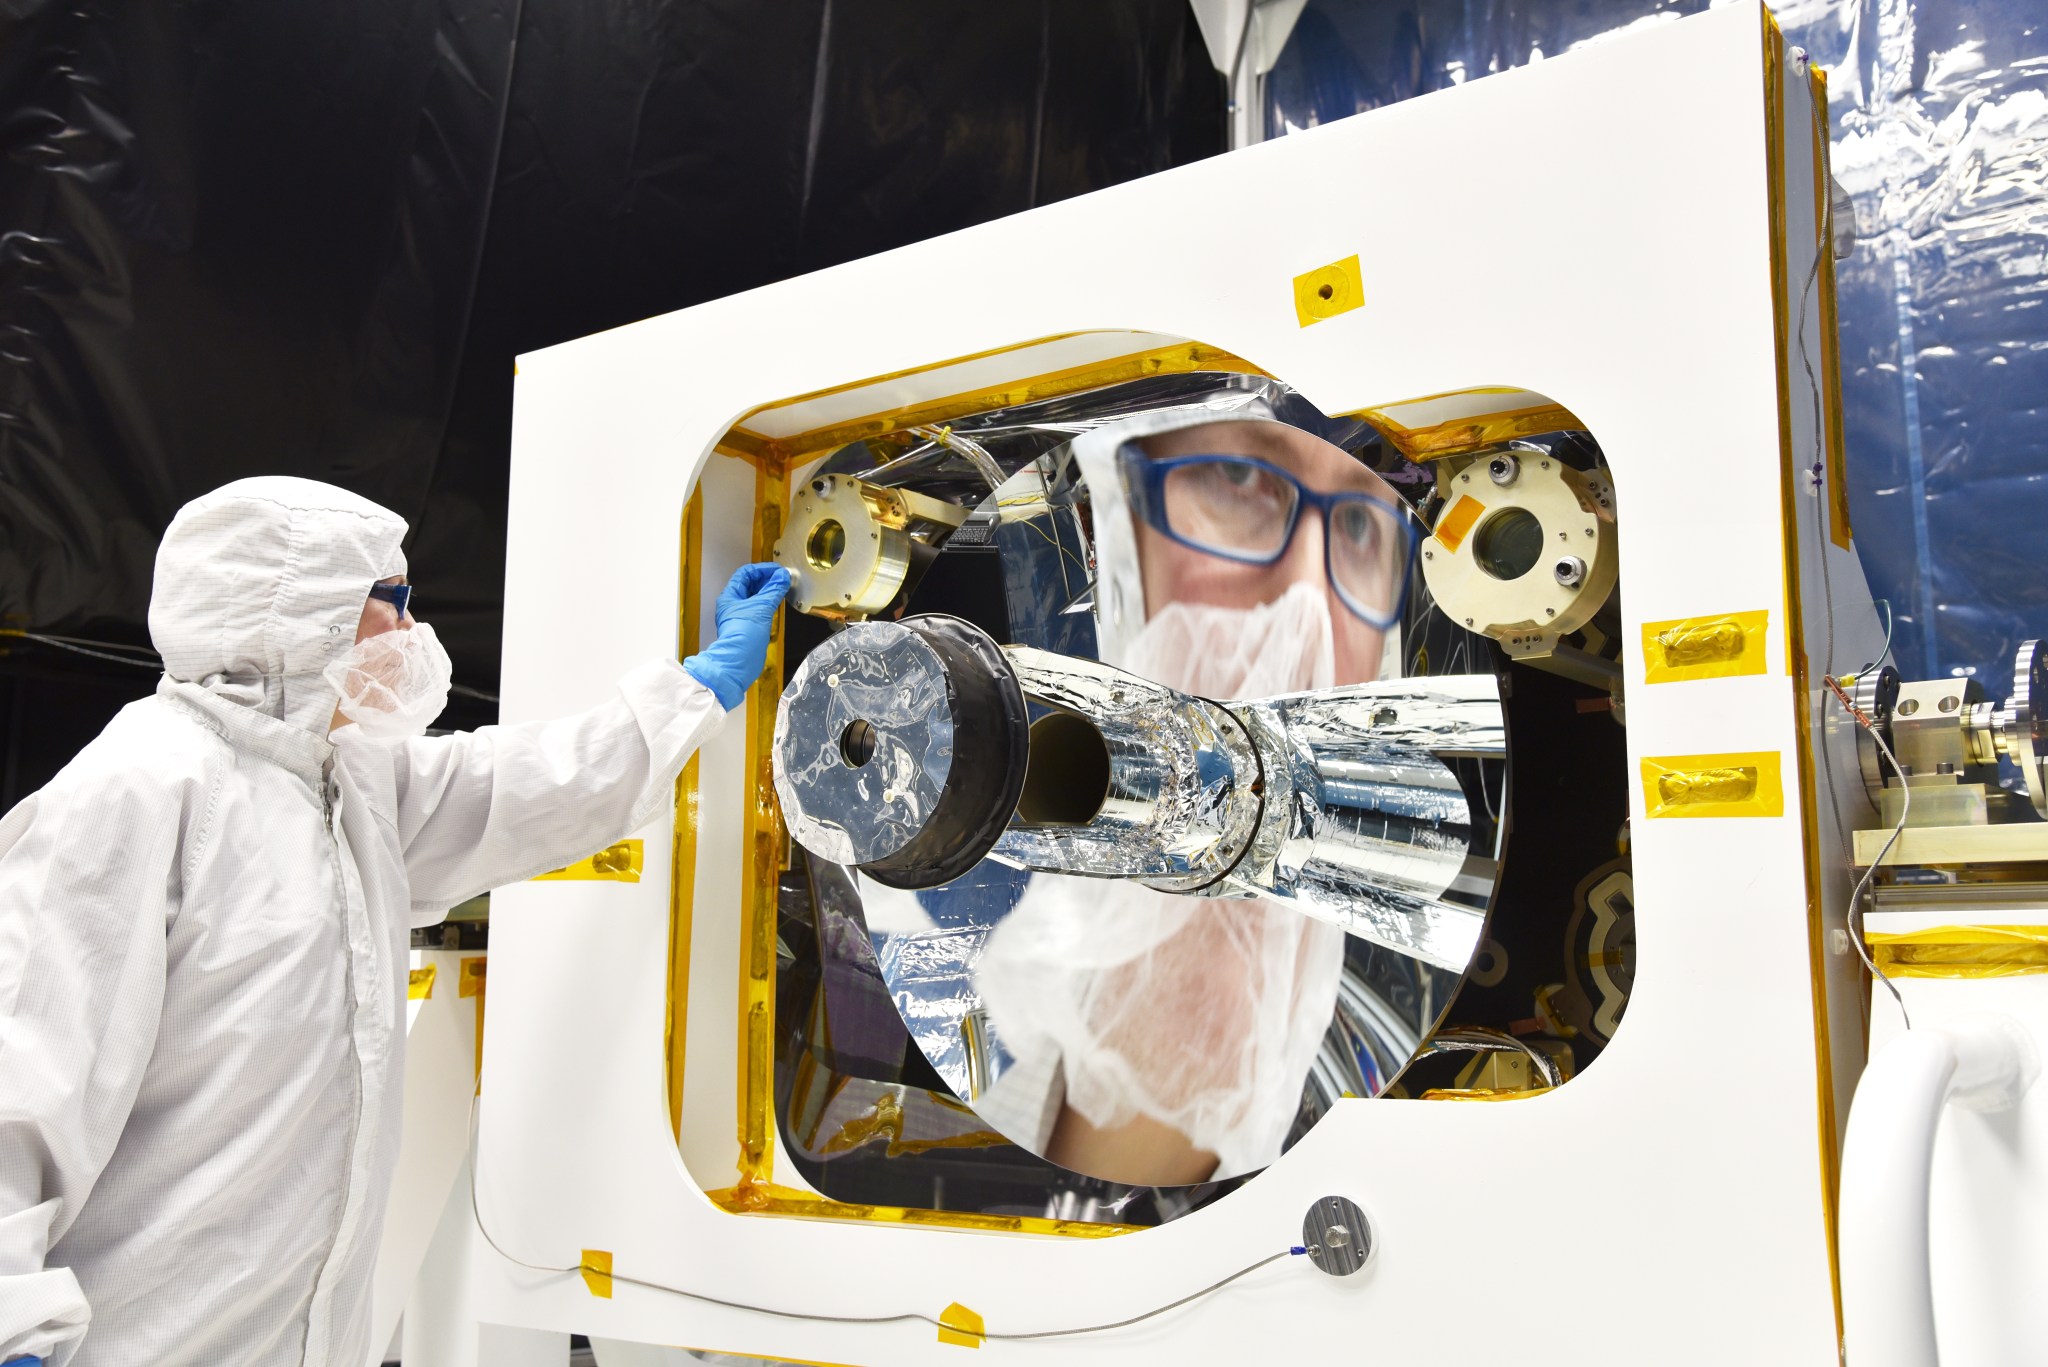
x=203 y=948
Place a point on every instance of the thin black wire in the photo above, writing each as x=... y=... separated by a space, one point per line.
x=906 y=1317
x=80 y=645
x=63 y=643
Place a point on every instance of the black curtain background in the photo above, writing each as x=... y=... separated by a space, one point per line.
x=239 y=237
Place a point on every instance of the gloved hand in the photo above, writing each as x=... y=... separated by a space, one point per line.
x=745 y=614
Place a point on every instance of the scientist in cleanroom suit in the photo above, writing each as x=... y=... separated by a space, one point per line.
x=204 y=922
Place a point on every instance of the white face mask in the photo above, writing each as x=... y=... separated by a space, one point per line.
x=1284 y=646
x=395 y=683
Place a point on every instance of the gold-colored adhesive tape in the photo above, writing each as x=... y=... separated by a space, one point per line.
x=1962 y=952
x=597 y=1272
x=751 y=1196
x=1328 y=291
x=1714 y=785
x=960 y=1326
x=777 y=456
x=1718 y=647
x=620 y=863
x=1457 y=523
x=1483 y=1093
x=469 y=981
x=419 y=984
x=1457 y=436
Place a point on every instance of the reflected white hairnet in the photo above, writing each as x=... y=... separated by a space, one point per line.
x=1203 y=1014
x=395 y=683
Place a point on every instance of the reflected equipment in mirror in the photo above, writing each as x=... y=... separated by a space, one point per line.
x=1220 y=538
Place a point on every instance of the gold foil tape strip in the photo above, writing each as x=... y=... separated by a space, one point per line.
x=620 y=863
x=1749 y=784
x=1718 y=647
x=1962 y=952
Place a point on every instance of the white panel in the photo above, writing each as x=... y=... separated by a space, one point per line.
x=1685 y=1165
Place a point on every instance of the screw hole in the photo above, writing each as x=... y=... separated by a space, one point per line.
x=1326 y=292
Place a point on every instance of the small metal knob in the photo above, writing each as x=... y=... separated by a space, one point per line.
x=1503 y=469
x=1337 y=1236
x=1570 y=571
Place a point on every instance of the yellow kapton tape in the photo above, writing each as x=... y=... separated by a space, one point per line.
x=597 y=1272
x=1328 y=291
x=1718 y=647
x=962 y=1327
x=1962 y=952
x=1457 y=522
x=469 y=980
x=419 y=984
x=1714 y=785
x=620 y=863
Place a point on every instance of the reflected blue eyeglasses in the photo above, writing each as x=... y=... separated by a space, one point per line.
x=398 y=595
x=1245 y=509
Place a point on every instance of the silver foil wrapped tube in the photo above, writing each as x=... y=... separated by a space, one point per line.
x=1172 y=799
x=1337 y=803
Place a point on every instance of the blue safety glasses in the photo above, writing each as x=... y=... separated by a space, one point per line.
x=398 y=595
x=1245 y=509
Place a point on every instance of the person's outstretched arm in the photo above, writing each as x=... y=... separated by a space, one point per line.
x=89 y=873
x=503 y=803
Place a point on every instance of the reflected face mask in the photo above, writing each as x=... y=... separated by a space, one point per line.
x=1284 y=646
x=395 y=683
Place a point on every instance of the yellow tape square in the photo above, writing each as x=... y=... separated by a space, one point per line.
x=419 y=984
x=962 y=1327
x=1328 y=291
x=597 y=1272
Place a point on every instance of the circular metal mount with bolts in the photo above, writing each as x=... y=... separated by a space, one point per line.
x=844 y=559
x=1337 y=1235
x=1497 y=554
x=2026 y=726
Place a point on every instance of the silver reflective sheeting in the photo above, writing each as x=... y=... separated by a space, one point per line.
x=884 y=675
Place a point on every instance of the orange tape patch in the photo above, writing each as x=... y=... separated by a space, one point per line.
x=1456 y=524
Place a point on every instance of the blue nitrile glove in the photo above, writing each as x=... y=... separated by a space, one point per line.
x=745 y=614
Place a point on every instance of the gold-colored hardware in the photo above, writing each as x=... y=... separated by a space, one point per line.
x=847 y=546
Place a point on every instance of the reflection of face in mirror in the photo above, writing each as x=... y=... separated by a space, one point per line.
x=1247 y=508
x=1184 y=1028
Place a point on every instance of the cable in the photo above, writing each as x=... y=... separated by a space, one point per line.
x=78 y=645
x=906 y=1317
x=1854 y=917
x=65 y=643
x=1886 y=652
x=1822 y=249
